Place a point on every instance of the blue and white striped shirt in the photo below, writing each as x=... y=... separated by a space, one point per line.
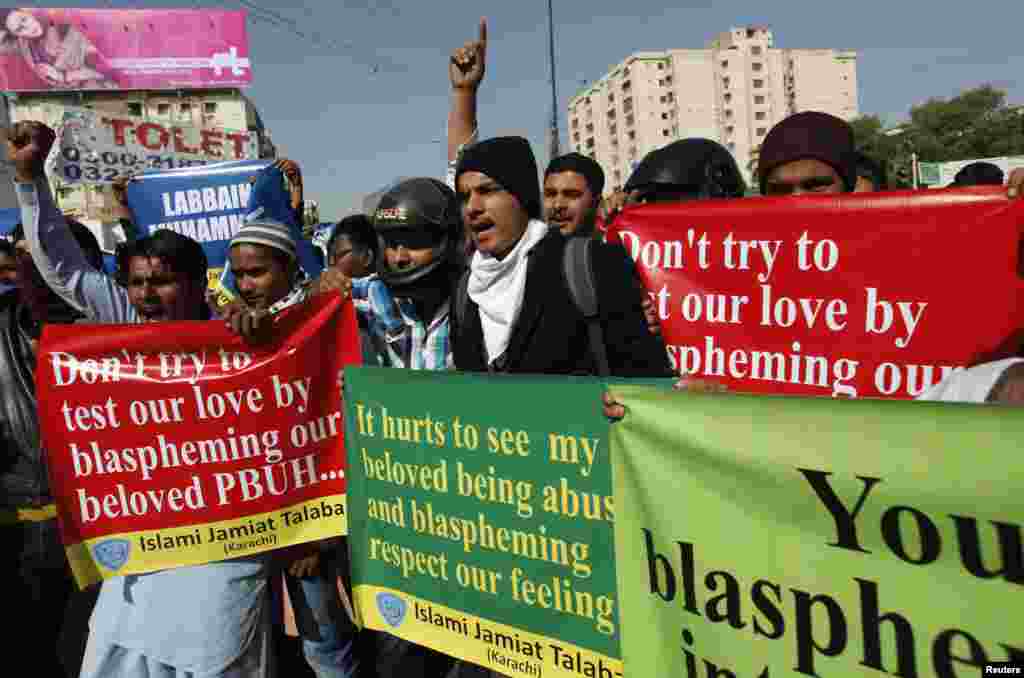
x=401 y=339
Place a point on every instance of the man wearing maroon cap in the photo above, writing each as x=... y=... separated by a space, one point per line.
x=809 y=152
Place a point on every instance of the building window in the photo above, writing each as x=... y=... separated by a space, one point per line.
x=668 y=79
x=611 y=112
x=210 y=107
x=627 y=104
x=728 y=112
x=725 y=82
x=629 y=120
x=631 y=134
x=185 y=111
x=661 y=99
x=755 y=50
x=729 y=129
x=661 y=66
x=759 y=99
x=727 y=97
x=758 y=84
x=661 y=83
x=590 y=142
x=626 y=86
x=759 y=115
x=725 y=63
x=576 y=137
x=664 y=132
x=670 y=97
x=618 y=176
x=761 y=131
x=611 y=97
x=664 y=116
x=756 y=66
x=135 y=108
x=590 y=127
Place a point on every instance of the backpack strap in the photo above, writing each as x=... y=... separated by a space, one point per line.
x=578 y=270
x=461 y=301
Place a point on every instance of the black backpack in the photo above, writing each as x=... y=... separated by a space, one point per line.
x=578 y=274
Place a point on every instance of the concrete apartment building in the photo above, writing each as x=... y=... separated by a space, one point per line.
x=733 y=91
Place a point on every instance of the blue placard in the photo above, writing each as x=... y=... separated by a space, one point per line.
x=9 y=218
x=210 y=203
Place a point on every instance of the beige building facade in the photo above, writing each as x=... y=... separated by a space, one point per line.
x=733 y=92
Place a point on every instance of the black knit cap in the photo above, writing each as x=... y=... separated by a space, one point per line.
x=813 y=135
x=510 y=162
x=979 y=173
x=582 y=165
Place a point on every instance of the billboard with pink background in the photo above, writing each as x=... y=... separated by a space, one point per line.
x=97 y=49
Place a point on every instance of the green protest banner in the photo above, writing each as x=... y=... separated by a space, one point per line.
x=481 y=518
x=768 y=536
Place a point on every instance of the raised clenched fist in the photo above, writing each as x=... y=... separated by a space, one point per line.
x=28 y=145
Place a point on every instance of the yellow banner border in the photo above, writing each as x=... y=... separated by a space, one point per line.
x=191 y=545
x=473 y=650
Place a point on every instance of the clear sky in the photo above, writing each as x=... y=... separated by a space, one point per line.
x=363 y=97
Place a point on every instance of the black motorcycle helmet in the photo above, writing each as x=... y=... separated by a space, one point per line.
x=418 y=213
x=687 y=169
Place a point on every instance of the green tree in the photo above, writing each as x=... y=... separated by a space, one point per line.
x=891 y=148
x=977 y=123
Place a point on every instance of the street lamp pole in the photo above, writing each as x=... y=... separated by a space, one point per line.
x=553 y=150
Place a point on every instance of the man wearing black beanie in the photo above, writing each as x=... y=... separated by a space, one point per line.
x=808 y=152
x=519 y=316
x=573 y=184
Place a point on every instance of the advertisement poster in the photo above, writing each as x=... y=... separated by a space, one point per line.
x=98 y=148
x=47 y=49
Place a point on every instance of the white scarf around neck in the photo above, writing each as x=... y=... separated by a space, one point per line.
x=497 y=287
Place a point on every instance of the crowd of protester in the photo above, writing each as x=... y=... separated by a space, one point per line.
x=461 y=273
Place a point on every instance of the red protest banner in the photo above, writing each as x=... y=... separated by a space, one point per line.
x=176 y=443
x=862 y=295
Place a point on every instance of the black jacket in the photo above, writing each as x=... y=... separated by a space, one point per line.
x=550 y=334
x=23 y=477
